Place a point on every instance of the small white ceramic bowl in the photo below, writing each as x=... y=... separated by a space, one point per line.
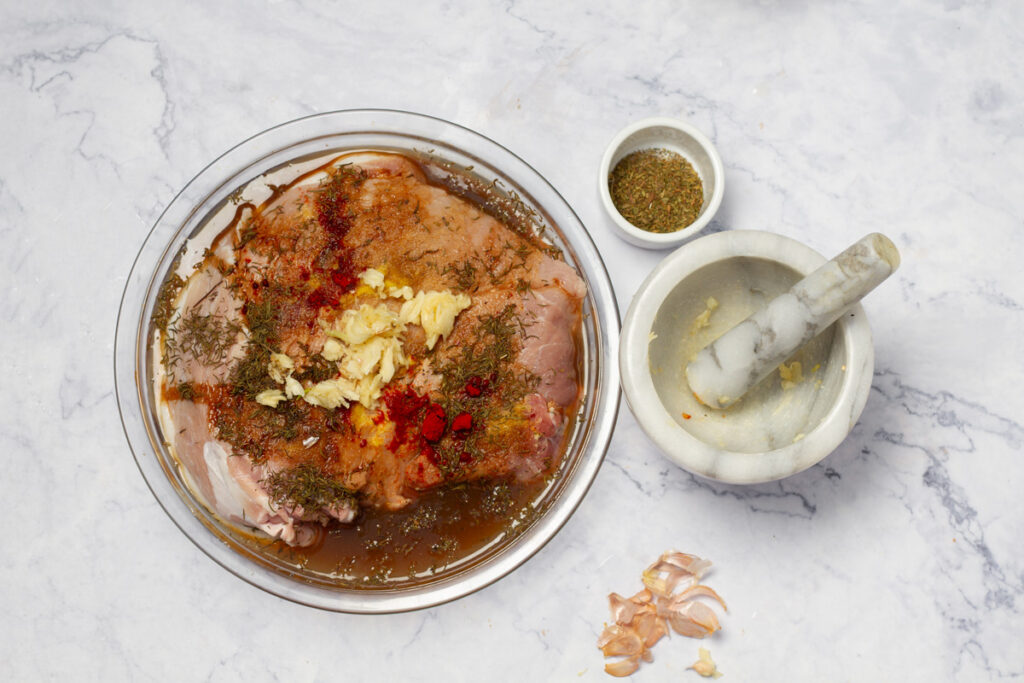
x=773 y=432
x=676 y=136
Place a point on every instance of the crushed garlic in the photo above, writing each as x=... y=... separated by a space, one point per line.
x=706 y=666
x=366 y=345
x=791 y=374
x=704 y=319
x=279 y=367
x=270 y=397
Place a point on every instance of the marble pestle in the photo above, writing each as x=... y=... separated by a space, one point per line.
x=722 y=372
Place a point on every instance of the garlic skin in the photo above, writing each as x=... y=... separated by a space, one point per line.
x=642 y=620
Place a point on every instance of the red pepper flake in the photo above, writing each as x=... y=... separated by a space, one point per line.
x=463 y=422
x=332 y=208
x=404 y=407
x=465 y=457
x=343 y=279
x=474 y=386
x=320 y=298
x=362 y=443
x=433 y=423
x=687 y=416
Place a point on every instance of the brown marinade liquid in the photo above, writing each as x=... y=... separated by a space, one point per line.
x=420 y=540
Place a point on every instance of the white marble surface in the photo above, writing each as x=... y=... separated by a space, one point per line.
x=897 y=558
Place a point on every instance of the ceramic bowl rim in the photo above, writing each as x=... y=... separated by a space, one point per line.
x=651 y=240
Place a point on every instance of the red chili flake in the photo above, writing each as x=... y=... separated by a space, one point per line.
x=332 y=211
x=343 y=279
x=687 y=416
x=304 y=274
x=465 y=457
x=403 y=408
x=362 y=443
x=404 y=405
x=320 y=298
x=463 y=422
x=433 y=423
x=474 y=386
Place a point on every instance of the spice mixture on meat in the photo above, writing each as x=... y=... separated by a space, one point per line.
x=366 y=356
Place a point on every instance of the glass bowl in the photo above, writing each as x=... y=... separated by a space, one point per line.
x=451 y=146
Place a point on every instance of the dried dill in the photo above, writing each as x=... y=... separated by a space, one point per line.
x=246 y=235
x=187 y=391
x=656 y=190
x=489 y=356
x=464 y=275
x=306 y=486
x=249 y=377
x=262 y=321
x=165 y=299
x=491 y=353
x=498 y=502
x=205 y=338
x=317 y=369
x=289 y=416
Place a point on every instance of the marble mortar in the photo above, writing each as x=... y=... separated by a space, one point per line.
x=696 y=294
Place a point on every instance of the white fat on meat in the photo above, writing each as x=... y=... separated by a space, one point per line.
x=228 y=485
x=232 y=488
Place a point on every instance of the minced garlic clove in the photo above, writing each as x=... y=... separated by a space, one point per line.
x=332 y=393
x=373 y=278
x=438 y=315
x=435 y=312
x=367 y=344
x=360 y=325
x=791 y=374
x=279 y=367
x=333 y=349
x=270 y=397
x=706 y=666
x=293 y=387
x=401 y=292
x=704 y=319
